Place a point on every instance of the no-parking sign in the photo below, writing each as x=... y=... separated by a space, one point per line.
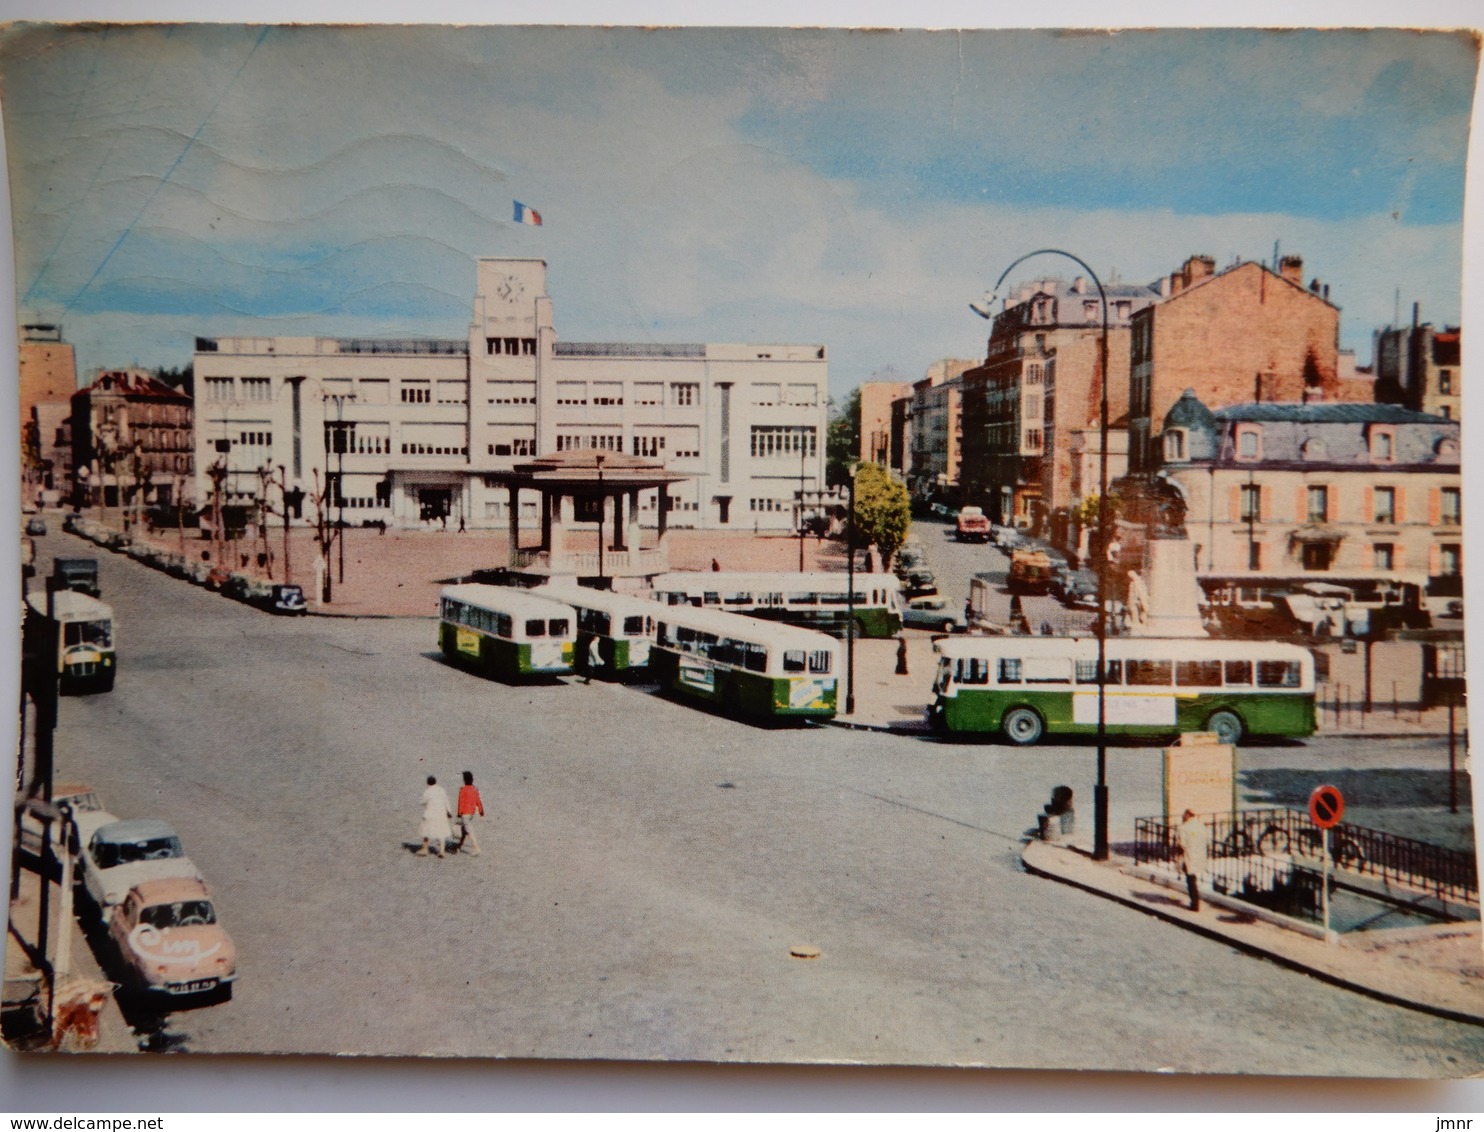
x=1326 y=806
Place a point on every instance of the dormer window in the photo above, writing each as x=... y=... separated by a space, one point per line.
x=1383 y=444
x=1175 y=447
x=1249 y=442
x=1314 y=450
x=1447 y=450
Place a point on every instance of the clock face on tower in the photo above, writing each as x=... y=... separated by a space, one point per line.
x=512 y=289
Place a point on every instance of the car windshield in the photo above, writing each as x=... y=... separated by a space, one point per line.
x=109 y=854
x=182 y=913
x=98 y=633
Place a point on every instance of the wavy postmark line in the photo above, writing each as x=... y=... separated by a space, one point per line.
x=150 y=943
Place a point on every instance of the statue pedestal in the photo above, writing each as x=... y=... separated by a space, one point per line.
x=1174 y=595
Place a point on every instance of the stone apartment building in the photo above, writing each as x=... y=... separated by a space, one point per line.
x=935 y=434
x=424 y=421
x=48 y=379
x=877 y=436
x=1246 y=334
x=1419 y=367
x=1289 y=492
x=133 y=434
x=1040 y=382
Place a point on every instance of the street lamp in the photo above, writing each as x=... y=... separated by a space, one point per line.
x=984 y=308
x=602 y=506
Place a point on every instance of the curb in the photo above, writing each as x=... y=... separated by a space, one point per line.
x=1435 y=1005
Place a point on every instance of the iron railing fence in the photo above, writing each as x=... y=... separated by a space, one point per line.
x=1273 y=857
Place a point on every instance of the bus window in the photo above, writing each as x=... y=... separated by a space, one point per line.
x=834 y=598
x=1087 y=672
x=1047 y=670
x=1149 y=671
x=504 y=625
x=736 y=599
x=712 y=598
x=1277 y=674
x=536 y=627
x=819 y=662
x=1239 y=672
x=755 y=657
x=800 y=599
x=1198 y=673
x=793 y=660
x=633 y=626
x=1115 y=672
x=973 y=670
x=1009 y=672
x=559 y=627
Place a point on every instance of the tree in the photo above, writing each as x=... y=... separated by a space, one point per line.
x=883 y=510
x=183 y=379
x=842 y=444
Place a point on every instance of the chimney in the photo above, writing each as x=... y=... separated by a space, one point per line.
x=1079 y=285
x=1198 y=267
x=1291 y=267
x=1164 y=286
x=1175 y=284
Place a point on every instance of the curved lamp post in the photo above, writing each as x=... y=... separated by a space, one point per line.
x=984 y=308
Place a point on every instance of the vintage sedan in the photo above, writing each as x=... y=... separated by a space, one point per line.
x=85 y=807
x=935 y=613
x=123 y=854
x=168 y=937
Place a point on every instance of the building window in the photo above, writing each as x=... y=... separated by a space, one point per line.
x=648 y=445
x=1383 y=445
x=1450 y=510
x=1385 y=505
x=1251 y=503
x=1033 y=439
x=1445 y=381
x=1383 y=556
x=257 y=389
x=1450 y=559
x=1254 y=556
x=218 y=388
x=1318 y=504
x=1317 y=555
x=1249 y=442
x=1033 y=373
x=782 y=440
x=1090 y=309
x=648 y=392
x=684 y=393
x=1175 y=445
x=415 y=394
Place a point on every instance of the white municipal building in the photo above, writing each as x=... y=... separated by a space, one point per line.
x=424 y=419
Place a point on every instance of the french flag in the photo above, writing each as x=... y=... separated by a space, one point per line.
x=526 y=215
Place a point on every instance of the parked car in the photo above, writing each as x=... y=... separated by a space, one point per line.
x=122 y=854
x=284 y=599
x=88 y=815
x=80 y=574
x=170 y=941
x=36 y=525
x=973 y=525
x=1030 y=572
x=1078 y=589
x=917 y=583
x=1008 y=538
x=934 y=612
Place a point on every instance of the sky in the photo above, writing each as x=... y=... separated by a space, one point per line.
x=850 y=188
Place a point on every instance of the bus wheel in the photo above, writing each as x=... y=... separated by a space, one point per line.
x=1022 y=726
x=1227 y=725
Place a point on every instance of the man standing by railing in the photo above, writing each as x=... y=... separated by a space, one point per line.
x=1192 y=835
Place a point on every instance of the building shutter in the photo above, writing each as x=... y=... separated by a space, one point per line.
x=1301 y=503
x=1368 y=513
x=1265 y=502
x=1367 y=556
x=1236 y=500
x=1434 y=560
x=1401 y=504
x=1434 y=506
x=1331 y=502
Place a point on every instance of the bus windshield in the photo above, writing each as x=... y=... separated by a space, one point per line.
x=99 y=633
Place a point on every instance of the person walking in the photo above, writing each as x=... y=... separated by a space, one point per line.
x=470 y=804
x=435 y=829
x=1192 y=836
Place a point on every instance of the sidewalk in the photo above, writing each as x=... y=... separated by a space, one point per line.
x=114 y=1034
x=1438 y=969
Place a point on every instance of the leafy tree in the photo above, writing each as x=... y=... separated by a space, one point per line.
x=842 y=444
x=883 y=510
x=183 y=379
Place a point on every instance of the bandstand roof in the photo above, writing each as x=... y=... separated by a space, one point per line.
x=588 y=468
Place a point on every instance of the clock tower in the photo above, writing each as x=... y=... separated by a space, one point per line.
x=510 y=344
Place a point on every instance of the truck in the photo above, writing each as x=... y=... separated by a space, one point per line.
x=1030 y=572
x=973 y=525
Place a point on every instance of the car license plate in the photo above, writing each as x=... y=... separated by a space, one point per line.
x=196 y=985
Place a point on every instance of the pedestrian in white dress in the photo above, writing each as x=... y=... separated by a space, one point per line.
x=437 y=812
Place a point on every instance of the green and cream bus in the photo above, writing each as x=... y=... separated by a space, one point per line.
x=746 y=666
x=1023 y=688
x=506 y=632
x=817 y=600
x=614 y=630
x=86 y=660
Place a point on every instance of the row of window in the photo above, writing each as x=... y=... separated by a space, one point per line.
x=415 y=449
x=1321 y=502
x=519 y=446
x=1141 y=673
x=1384 y=556
x=783 y=440
x=740 y=654
x=768 y=505
x=503 y=624
x=510 y=347
x=600 y=623
x=608 y=442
